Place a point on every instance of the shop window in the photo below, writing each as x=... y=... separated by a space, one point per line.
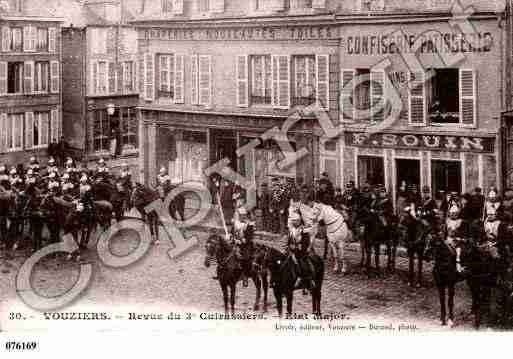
x=304 y=80
x=16 y=39
x=443 y=96
x=371 y=170
x=261 y=80
x=15 y=77
x=446 y=176
x=101 y=131
x=129 y=128
x=41 y=76
x=128 y=77
x=42 y=39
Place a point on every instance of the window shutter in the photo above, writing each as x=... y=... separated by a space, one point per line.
x=3 y=77
x=163 y=73
x=346 y=95
x=242 y=81
x=3 y=132
x=323 y=81
x=120 y=77
x=94 y=78
x=54 y=76
x=377 y=90
x=467 y=87
x=111 y=77
x=140 y=77
x=319 y=4
x=194 y=80
x=179 y=78
x=149 y=76
x=217 y=6
x=281 y=81
x=33 y=38
x=6 y=39
x=55 y=125
x=26 y=38
x=178 y=7
x=52 y=39
x=417 y=98
x=29 y=129
x=28 y=73
x=205 y=80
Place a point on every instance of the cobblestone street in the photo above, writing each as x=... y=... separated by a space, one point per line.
x=157 y=281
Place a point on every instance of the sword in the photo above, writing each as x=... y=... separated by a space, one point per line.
x=222 y=214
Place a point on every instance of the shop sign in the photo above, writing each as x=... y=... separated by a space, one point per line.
x=421 y=142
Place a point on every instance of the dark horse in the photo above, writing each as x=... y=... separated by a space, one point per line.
x=142 y=196
x=230 y=268
x=105 y=190
x=375 y=230
x=415 y=233
x=284 y=274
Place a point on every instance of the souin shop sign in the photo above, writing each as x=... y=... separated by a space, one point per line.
x=413 y=141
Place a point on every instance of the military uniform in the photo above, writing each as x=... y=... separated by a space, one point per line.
x=298 y=244
x=34 y=165
x=4 y=178
x=243 y=233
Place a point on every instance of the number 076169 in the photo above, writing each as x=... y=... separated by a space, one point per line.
x=20 y=346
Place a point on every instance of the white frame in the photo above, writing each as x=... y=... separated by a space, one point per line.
x=38 y=81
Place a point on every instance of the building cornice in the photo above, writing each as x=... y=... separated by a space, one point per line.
x=31 y=18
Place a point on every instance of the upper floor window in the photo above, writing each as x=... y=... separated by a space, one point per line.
x=304 y=84
x=128 y=76
x=42 y=39
x=98 y=40
x=16 y=39
x=372 y=5
x=260 y=68
x=15 y=77
x=99 y=80
x=41 y=76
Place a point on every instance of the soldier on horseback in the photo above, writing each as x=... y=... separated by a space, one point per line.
x=52 y=168
x=243 y=233
x=455 y=231
x=33 y=165
x=102 y=171
x=4 y=178
x=383 y=207
x=125 y=185
x=492 y=203
x=298 y=245
x=69 y=189
x=350 y=199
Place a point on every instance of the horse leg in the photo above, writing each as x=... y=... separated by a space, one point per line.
x=290 y=299
x=451 y=303
x=377 y=251
x=233 y=287
x=411 y=260
x=420 y=259
x=279 y=300
x=258 y=283
x=368 y=254
x=224 y=289
x=265 y=285
x=443 y=314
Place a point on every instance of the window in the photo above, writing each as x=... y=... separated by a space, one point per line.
x=99 y=77
x=166 y=64
x=446 y=176
x=201 y=91
x=41 y=75
x=11 y=131
x=371 y=170
x=101 y=132
x=42 y=39
x=41 y=127
x=15 y=77
x=98 y=41
x=16 y=39
x=304 y=80
x=443 y=96
x=203 y=5
x=129 y=128
x=261 y=79
x=300 y=4
x=362 y=98
x=128 y=77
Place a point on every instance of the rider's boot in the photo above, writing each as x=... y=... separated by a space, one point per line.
x=245 y=281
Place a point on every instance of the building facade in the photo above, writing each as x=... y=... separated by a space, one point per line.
x=30 y=82
x=415 y=91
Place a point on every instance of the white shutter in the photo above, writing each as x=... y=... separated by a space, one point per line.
x=347 y=108
x=149 y=75
x=6 y=39
x=29 y=129
x=55 y=78
x=3 y=132
x=163 y=73
x=52 y=39
x=194 y=80
x=377 y=92
x=217 y=6
x=28 y=74
x=111 y=78
x=179 y=78
x=55 y=125
x=94 y=78
x=467 y=89
x=242 y=81
x=178 y=7
x=26 y=38
x=205 y=80
x=323 y=81
x=319 y=4
x=3 y=77
x=281 y=81
x=33 y=38
x=417 y=98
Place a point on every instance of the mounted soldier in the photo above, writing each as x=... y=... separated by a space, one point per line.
x=15 y=180
x=383 y=207
x=4 y=179
x=52 y=167
x=33 y=165
x=243 y=233
x=53 y=183
x=455 y=232
x=350 y=199
x=124 y=185
x=298 y=245
x=427 y=208
x=102 y=171
x=69 y=189
x=492 y=203
x=164 y=183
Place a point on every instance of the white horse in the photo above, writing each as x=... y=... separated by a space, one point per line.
x=337 y=231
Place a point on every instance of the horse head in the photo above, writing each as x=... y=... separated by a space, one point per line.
x=212 y=246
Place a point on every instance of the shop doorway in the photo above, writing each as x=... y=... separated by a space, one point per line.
x=371 y=170
x=446 y=176
x=408 y=171
x=225 y=146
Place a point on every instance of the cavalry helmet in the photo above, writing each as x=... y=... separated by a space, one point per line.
x=51 y=161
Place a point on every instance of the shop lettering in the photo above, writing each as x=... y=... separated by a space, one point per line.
x=435 y=42
x=413 y=141
x=243 y=34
